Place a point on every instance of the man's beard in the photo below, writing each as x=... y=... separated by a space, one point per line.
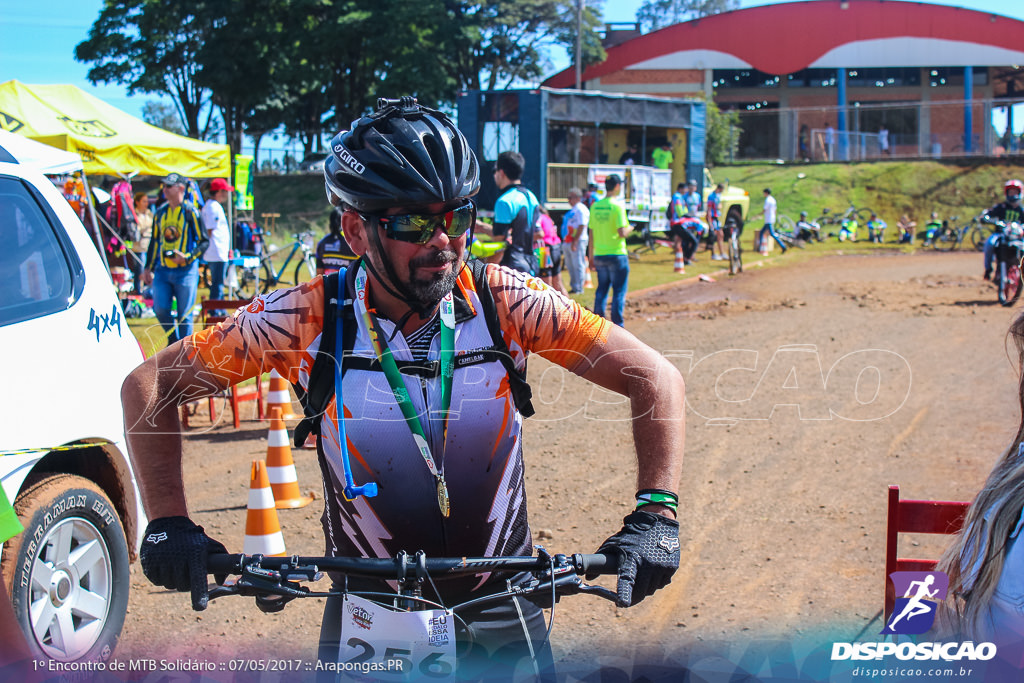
x=431 y=289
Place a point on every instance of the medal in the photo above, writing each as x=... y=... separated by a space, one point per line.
x=442 y=496
x=401 y=393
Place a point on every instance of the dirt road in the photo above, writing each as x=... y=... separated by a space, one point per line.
x=810 y=389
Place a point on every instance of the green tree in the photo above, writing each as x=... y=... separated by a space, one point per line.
x=722 y=130
x=152 y=46
x=492 y=44
x=239 y=58
x=593 y=51
x=162 y=115
x=655 y=14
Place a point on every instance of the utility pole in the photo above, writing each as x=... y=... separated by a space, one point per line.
x=579 y=44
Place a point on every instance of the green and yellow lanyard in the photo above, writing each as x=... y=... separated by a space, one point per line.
x=398 y=388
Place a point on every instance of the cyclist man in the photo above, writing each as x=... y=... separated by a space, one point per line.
x=450 y=483
x=684 y=241
x=808 y=230
x=716 y=237
x=333 y=252
x=1008 y=211
x=516 y=213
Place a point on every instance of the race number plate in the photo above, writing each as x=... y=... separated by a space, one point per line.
x=393 y=645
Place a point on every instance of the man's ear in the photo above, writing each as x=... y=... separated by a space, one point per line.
x=355 y=232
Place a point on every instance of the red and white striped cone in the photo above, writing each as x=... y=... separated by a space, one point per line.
x=680 y=263
x=262 y=527
x=280 y=397
x=281 y=467
x=587 y=282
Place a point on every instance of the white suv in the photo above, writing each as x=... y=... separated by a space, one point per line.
x=63 y=460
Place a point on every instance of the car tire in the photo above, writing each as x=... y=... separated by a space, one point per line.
x=68 y=572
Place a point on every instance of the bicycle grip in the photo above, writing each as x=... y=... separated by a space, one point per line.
x=224 y=564
x=597 y=564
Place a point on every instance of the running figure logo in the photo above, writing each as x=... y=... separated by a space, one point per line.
x=914 y=613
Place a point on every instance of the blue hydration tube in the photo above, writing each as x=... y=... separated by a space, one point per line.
x=351 y=490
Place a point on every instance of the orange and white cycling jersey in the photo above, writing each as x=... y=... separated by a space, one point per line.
x=481 y=456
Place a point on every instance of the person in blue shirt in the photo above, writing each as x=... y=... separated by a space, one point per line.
x=692 y=198
x=516 y=213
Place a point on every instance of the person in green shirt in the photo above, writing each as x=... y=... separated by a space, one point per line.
x=609 y=227
x=661 y=157
x=15 y=657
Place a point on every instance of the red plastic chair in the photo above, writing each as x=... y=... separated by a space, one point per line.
x=915 y=517
x=235 y=394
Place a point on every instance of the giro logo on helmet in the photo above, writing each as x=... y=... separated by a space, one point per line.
x=347 y=157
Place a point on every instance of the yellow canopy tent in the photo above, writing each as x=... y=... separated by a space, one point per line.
x=109 y=141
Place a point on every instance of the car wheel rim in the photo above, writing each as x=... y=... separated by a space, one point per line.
x=71 y=589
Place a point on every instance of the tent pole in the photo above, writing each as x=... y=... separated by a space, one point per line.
x=95 y=222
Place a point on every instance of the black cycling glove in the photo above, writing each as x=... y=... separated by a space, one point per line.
x=647 y=548
x=173 y=555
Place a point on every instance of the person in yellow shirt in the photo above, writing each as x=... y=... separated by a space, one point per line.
x=609 y=226
x=662 y=156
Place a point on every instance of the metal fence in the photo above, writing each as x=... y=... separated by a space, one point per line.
x=881 y=130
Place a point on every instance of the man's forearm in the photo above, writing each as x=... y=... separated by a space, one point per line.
x=657 y=398
x=154 y=441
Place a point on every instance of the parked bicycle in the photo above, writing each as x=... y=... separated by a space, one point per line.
x=733 y=232
x=949 y=237
x=829 y=217
x=372 y=621
x=262 y=278
x=980 y=231
x=649 y=242
x=786 y=229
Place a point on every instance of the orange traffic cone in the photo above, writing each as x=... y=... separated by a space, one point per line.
x=680 y=263
x=281 y=467
x=587 y=282
x=280 y=397
x=262 y=528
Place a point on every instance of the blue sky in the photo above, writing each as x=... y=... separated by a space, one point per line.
x=37 y=40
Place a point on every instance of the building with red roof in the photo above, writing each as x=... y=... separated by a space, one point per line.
x=856 y=65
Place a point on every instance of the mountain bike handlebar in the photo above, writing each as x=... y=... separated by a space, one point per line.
x=275 y=581
x=405 y=565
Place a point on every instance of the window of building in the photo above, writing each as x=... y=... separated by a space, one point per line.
x=812 y=78
x=954 y=75
x=743 y=78
x=883 y=78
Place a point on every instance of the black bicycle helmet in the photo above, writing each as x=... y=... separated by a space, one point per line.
x=403 y=155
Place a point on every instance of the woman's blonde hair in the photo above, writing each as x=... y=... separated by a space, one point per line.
x=974 y=562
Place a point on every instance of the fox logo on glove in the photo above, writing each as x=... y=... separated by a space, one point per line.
x=669 y=544
x=156 y=538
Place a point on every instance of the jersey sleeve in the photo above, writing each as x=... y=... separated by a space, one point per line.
x=504 y=214
x=274 y=332
x=537 y=319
